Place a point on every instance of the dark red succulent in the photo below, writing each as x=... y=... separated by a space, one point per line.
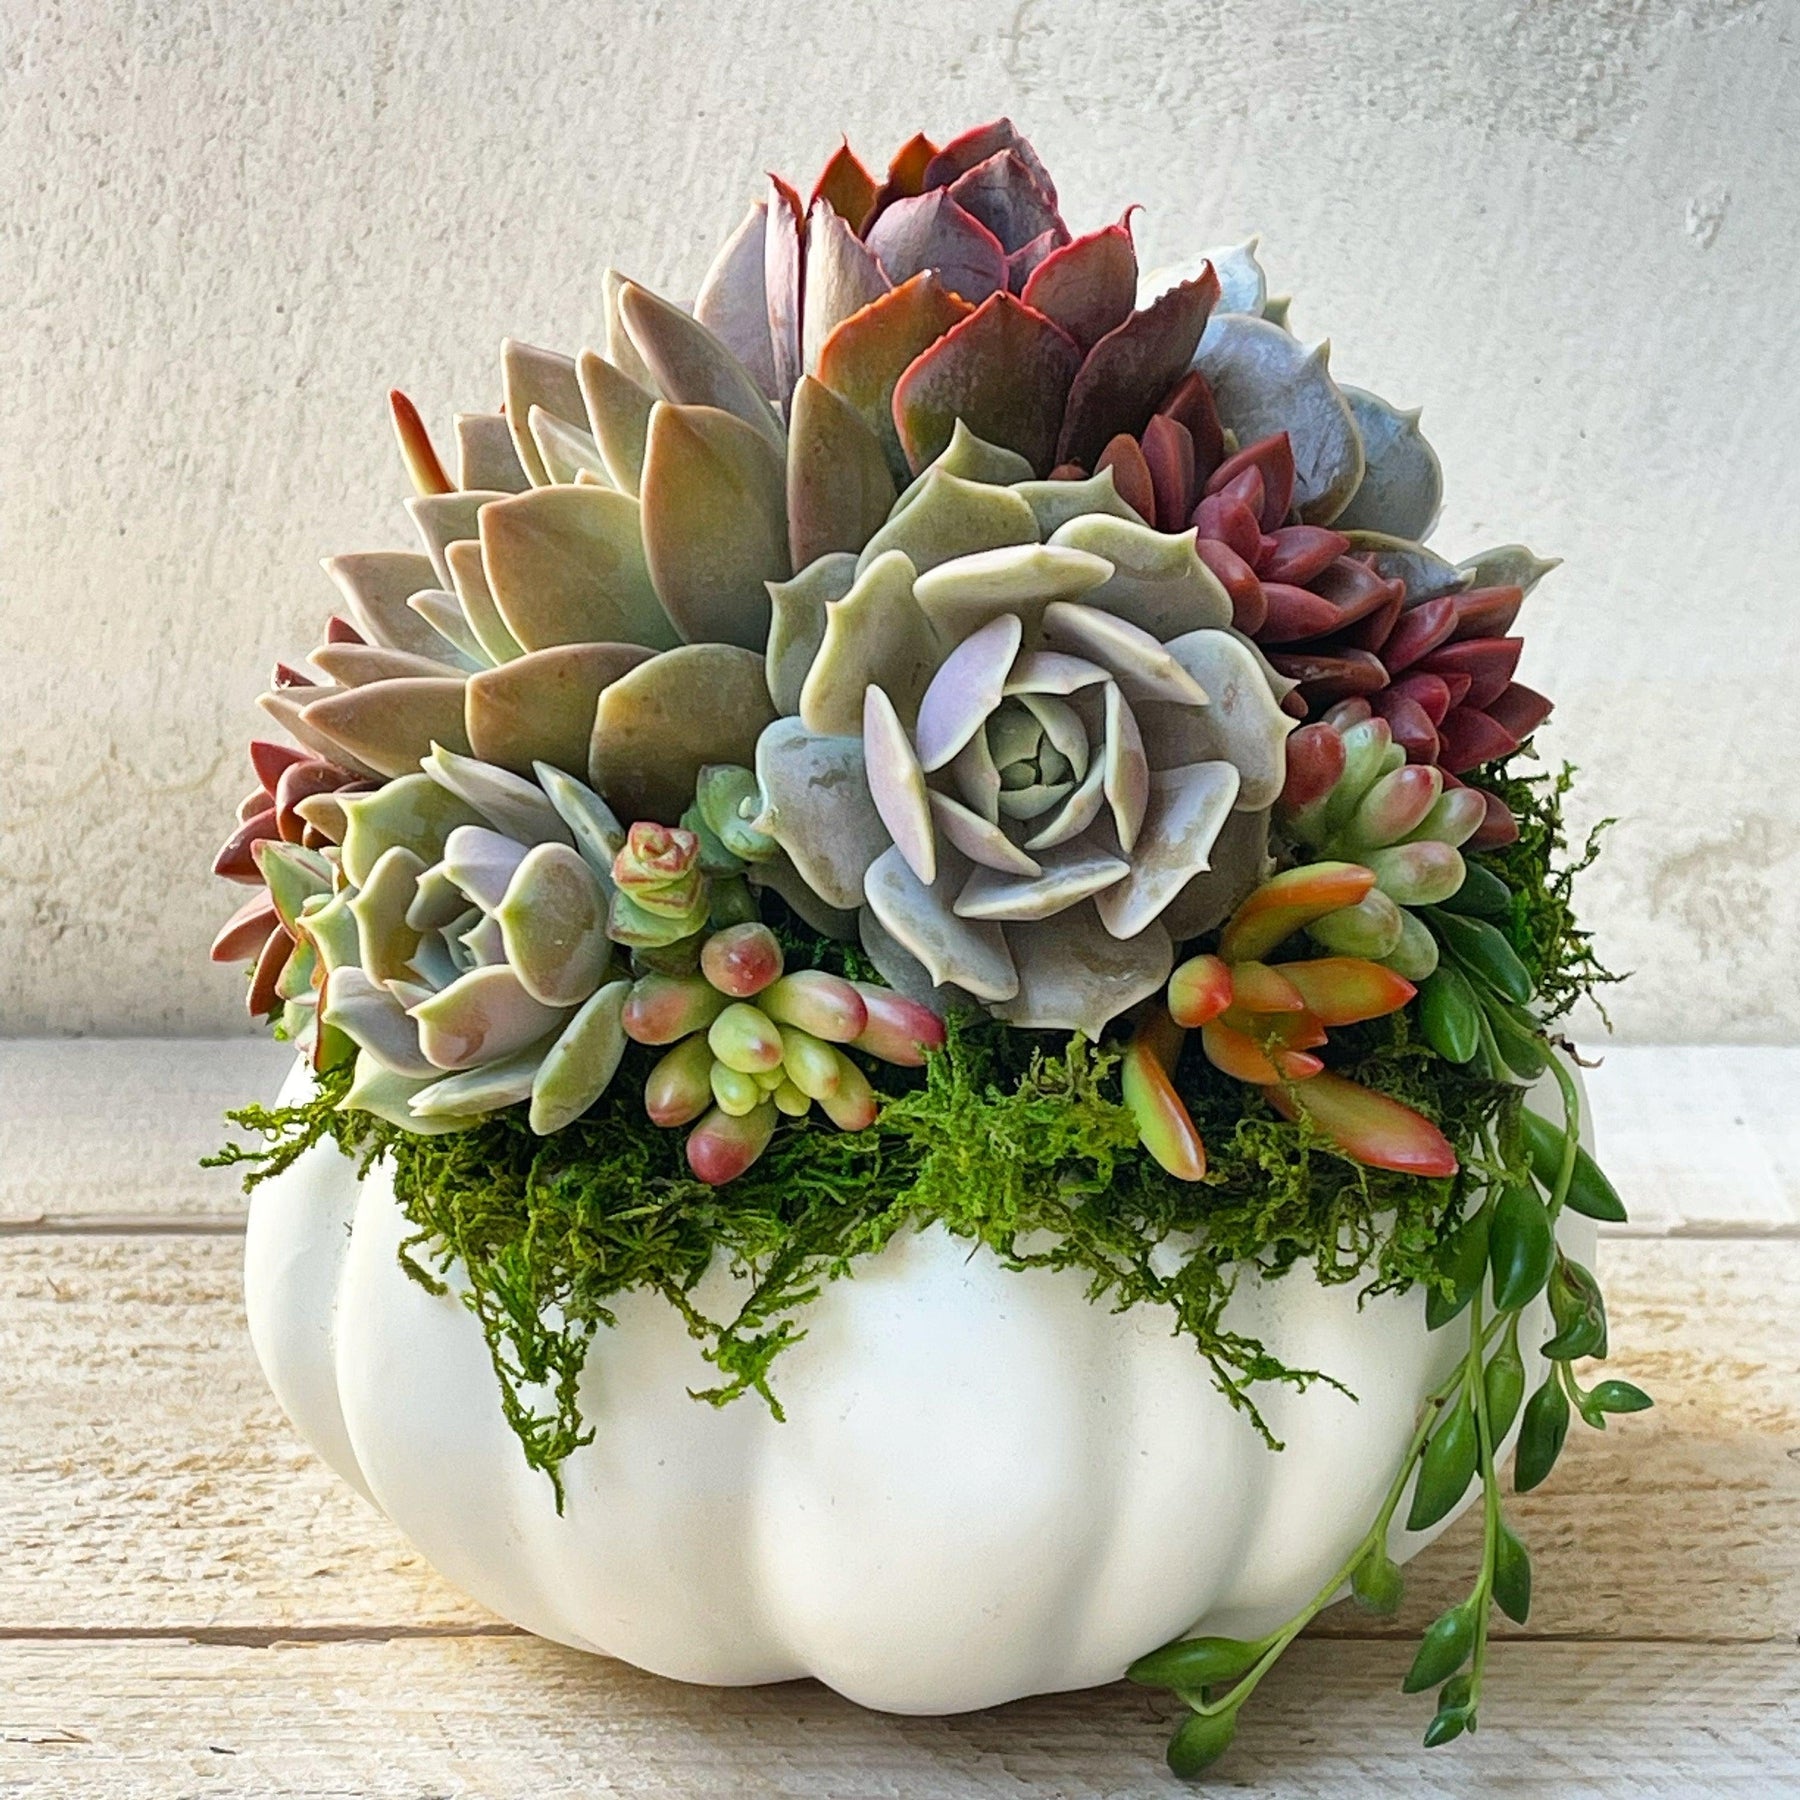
x=269 y=813
x=1348 y=616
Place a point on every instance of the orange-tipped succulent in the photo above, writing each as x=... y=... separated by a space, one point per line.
x=1261 y=1022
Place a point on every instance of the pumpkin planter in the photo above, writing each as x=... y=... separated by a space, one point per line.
x=985 y=1486
x=924 y=852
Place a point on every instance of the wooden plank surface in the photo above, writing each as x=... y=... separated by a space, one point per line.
x=190 y=1604
x=517 y=1719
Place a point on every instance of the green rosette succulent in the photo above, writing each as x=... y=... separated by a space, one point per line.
x=454 y=933
x=1020 y=742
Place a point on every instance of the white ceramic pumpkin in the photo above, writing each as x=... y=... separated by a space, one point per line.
x=985 y=1486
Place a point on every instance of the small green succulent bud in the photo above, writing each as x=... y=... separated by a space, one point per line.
x=746 y=1039
x=736 y=1092
x=1370 y=928
x=1418 y=874
x=812 y=1065
x=727 y=802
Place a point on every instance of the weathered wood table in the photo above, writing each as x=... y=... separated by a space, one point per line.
x=191 y=1605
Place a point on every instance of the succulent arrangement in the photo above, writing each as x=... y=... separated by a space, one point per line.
x=946 y=660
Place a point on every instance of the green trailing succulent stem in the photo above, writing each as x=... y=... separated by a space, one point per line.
x=1507 y=1246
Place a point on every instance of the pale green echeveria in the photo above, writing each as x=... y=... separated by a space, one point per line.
x=606 y=544
x=463 y=945
x=1020 y=743
x=1361 y=463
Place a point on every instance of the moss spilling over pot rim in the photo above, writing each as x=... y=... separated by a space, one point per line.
x=1005 y=1138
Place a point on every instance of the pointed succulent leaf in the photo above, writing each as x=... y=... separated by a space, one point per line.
x=1144 y=669
x=390 y=725
x=412 y=810
x=972 y=954
x=1165 y=1126
x=931 y=233
x=475 y=597
x=950 y=517
x=476 y=1092
x=568 y=452
x=714 y=521
x=1004 y=194
x=540 y=707
x=1087 y=287
x=876 y=634
x=978 y=838
x=846 y=186
x=533 y=377
x=618 y=411
x=592 y=823
x=1065 y=878
x=1130 y=369
x=976 y=145
x=653 y=732
x=580 y=1065
x=292 y=874
x=1242 y=722
x=1427 y=575
x=1508 y=565
x=1288 y=902
x=566 y=565
x=1125 y=770
x=842 y=277
x=372 y=1018
x=797 y=624
x=839 y=487
x=1056 y=504
x=966 y=689
x=376 y=586
x=966 y=593
x=243 y=935
x=1403 y=483
x=1005 y=371
x=1344 y=990
x=1188 y=808
x=974 y=459
x=1238 y=861
x=443 y=612
x=386 y=941
x=691 y=367
x=1158 y=583
x=1264 y=382
x=818 y=808
x=1076 y=976
x=553 y=925
x=485 y=457
x=508 y=802
x=481 y=1017
x=866 y=356
x=287 y=707
x=733 y=301
x=384 y=1094
x=1367 y=1126
x=897 y=784
x=783 y=257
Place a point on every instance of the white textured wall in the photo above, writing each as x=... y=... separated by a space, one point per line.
x=1569 y=227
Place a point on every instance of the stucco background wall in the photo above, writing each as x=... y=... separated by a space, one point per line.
x=1568 y=227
